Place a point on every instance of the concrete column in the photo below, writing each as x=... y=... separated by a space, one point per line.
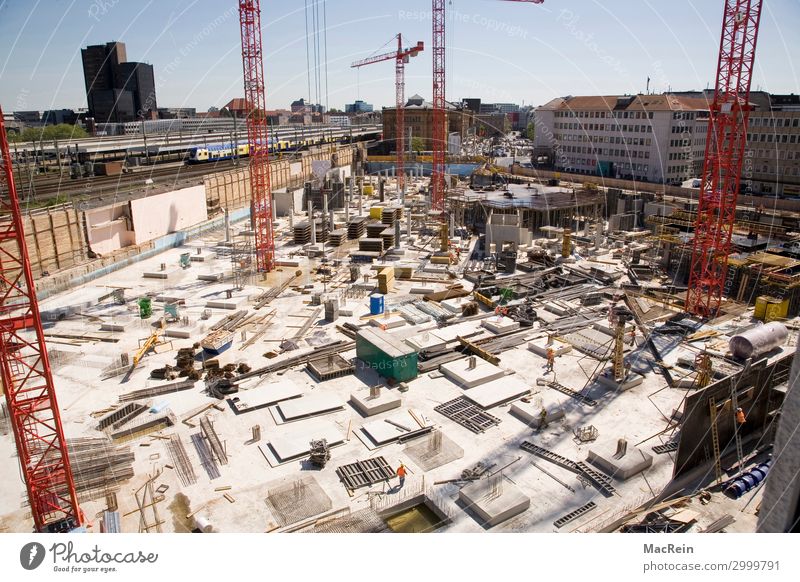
x=311 y=221
x=227 y=226
x=397 y=234
x=348 y=198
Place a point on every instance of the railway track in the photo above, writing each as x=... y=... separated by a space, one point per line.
x=49 y=187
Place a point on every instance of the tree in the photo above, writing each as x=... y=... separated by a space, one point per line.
x=417 y=144
x=48 y=133
x=530 y=131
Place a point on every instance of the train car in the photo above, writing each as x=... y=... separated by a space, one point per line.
x=201 y=154
x=216 y=152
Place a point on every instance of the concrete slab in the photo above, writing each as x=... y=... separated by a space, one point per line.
x=232 y=303
x=531 y=412
x=390 y=322
x=603 y=455
x=494 y=500
x=497 y=392
x=466 y=329
x=426 y=341
x=114 y=326
x=386 y=400
x=381 y=432
x=203 y=256
x=172 y=296
x=455 y=305
x=160 y=274
x=210 y=277
x=305 y=407
x=459 y=372
x=630 y=382
x=539 y=347
x=264 y=395
x=296 y=444
x=178 y=333
x=500 y=324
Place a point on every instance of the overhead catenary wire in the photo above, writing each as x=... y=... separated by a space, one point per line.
x=308 y=53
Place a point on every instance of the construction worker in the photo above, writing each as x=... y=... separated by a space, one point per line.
x=401 y=473
x=551 y=359
x=740 y=419
x=633 y=336
x=543 y=418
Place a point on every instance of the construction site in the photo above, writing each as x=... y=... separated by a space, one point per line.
x=311 y=346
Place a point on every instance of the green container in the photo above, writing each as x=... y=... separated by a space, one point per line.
x=145 y=307
x=390 y=357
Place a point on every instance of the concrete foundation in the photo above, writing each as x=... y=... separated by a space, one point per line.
x=386 y=400
x=494 y=500
x=604 y=456
x=500 y=324
x=531 y=412
x=460 y=372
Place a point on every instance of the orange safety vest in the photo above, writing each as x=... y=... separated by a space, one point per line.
x=401 y=471
x=740 y=416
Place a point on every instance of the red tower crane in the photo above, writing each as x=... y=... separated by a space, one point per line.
x=439 y=102
x=724 y=154
x=25 y=372
x=257 y=133
x=401 y=56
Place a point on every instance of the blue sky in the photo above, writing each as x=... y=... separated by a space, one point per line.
x=498 y=51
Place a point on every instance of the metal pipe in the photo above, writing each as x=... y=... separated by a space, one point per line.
x=758 y=340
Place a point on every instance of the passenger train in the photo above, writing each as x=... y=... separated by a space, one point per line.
x=226 y=151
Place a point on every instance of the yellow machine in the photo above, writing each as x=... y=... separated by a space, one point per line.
x=149 y=343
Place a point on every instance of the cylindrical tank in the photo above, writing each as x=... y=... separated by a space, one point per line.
x=758 y=340
x=202 y=523
x=375 y=304
x=747 y=481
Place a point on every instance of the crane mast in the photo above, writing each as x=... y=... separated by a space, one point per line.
x=257 y=134
x=25 y=371
x=440 y=102
x=724 y=155
x=401 y=57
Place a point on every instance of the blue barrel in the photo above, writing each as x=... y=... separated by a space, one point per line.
x=749 y=481
x=737 y=488
x=375 y=304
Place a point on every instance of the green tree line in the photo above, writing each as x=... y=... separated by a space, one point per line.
x=48 y=133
